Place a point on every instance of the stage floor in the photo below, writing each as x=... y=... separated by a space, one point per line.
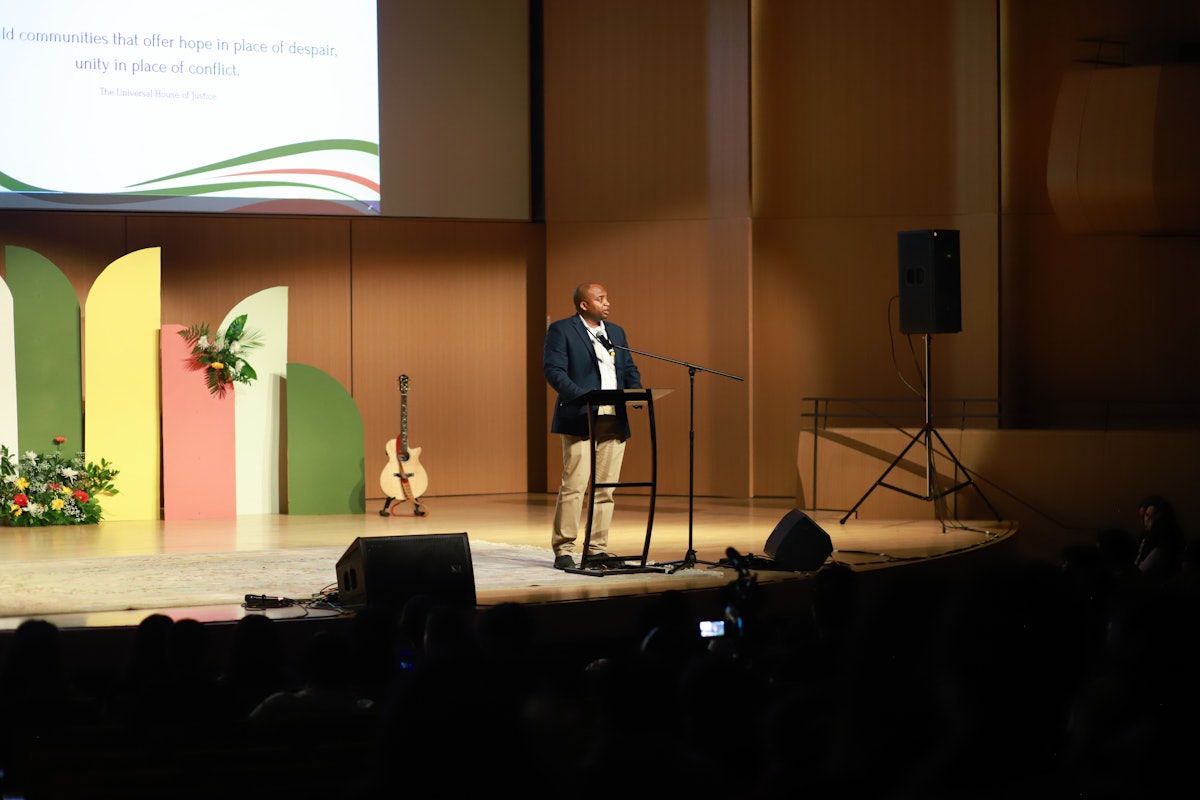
x=706 y=526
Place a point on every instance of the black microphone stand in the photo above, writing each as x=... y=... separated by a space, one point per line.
x=689 y=559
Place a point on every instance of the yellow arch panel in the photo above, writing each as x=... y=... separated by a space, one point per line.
x=121 y=384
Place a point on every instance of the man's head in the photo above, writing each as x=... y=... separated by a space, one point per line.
x=591 y=300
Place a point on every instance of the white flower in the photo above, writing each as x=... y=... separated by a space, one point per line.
x=70 y=473
x=32 y=456
x=202 y=343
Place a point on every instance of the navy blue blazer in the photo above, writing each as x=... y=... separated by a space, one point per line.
x=572 y=369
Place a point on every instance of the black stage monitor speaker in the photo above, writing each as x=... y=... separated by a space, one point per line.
x=388 y=570
x=798 y=543
x=930 y=289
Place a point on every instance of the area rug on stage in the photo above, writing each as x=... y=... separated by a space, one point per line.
x=118 y=583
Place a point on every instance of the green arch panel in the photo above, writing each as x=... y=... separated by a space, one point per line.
x=325 y=460
x=48 y=352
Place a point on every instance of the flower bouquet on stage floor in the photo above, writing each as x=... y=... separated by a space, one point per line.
x=52 y=488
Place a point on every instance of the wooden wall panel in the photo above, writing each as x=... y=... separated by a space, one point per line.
x=646 y=108
x=1103 y=152
x=1096 y=321
x=873 y=108
x=444 y=303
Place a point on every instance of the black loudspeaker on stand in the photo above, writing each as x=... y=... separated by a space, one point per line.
x=930 y=303
x=689 y=558
x=930 y=283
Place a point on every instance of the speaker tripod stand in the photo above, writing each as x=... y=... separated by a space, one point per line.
x=926 y=437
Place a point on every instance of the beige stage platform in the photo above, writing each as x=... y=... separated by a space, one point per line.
x=523 y=520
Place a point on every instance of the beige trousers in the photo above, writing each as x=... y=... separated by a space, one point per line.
x=570 y=512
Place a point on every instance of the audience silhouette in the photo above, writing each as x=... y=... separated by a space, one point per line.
x=1016 y=678
x=328 y=695
x=1160 y=552
x=38 y=696
x=255 y=667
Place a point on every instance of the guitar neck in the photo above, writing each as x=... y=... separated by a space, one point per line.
x=404 y=425
x=403 y=438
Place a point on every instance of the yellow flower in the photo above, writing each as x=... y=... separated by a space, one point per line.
x=57 y=503
x=15 y=510
x=216 y=365
x=22 y=484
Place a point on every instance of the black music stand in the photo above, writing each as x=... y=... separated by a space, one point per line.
x=617 y=565
x=689 y=558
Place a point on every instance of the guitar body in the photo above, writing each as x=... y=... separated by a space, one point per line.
x=390 y=479
x=403 y=477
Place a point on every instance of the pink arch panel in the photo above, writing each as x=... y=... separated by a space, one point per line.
x=198 y=439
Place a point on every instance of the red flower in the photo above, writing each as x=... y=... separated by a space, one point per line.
x=20 y=500
x=80 y=495
x=59 y=439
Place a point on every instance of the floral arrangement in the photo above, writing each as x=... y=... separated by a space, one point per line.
x=52 y=489
x=222 y=357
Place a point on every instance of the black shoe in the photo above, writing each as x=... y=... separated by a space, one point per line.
x=564 y=561
x=603 y=560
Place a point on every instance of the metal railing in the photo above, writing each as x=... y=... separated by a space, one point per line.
x=984 y=412
x=900 y=413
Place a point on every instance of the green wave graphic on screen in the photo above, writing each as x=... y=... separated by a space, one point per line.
x=256 y=163
x=371 y=148
x=11 y=184
x=213 y=188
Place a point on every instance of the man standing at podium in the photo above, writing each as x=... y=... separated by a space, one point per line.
x=584 y=352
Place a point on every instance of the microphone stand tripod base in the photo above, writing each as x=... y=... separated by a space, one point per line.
x=614 y=565
x=687 y=562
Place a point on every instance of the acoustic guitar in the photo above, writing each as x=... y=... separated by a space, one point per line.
x=403 y=477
